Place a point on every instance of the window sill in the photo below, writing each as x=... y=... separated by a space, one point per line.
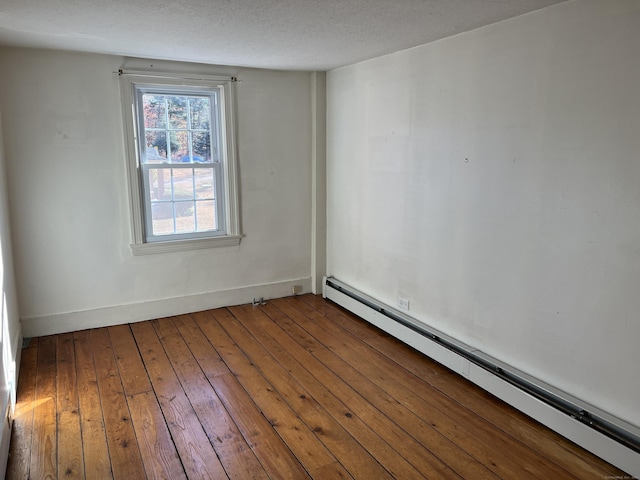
x=184 y=245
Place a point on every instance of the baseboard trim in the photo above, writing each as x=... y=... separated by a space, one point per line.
x=442 y=349
x=138 y=312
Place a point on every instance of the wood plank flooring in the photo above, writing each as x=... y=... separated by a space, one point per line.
x=297 y=388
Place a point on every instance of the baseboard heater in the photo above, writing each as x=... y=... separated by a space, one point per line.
x=611 y=438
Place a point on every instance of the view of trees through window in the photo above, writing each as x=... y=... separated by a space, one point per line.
x=178 y=131
x=185 y=121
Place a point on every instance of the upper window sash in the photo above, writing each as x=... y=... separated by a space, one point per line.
x=216 y=118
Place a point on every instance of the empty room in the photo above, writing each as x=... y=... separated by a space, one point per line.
x=358 y=239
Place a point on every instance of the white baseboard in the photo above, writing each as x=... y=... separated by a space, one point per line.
x=601 y=445
x=137 y=312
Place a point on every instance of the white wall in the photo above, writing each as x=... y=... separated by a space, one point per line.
x=493 y=179
x=10 y=329
x=70 y=210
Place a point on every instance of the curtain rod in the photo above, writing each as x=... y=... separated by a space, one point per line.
x=148 y=73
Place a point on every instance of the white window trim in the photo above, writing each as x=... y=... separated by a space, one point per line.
x=128 y=81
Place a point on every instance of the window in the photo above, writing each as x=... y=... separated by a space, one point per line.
x=182 y=166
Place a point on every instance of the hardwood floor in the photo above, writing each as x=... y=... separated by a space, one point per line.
x=298 y=388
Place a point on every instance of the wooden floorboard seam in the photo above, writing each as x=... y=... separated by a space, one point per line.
x=297 y=388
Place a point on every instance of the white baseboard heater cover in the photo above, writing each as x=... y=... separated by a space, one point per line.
x=608 y=437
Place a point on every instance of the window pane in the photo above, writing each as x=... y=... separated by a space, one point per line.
x=185 y=217
x=162 y=218
x=154 y=111
x=179 y=147
x=201 y=147
x=156 y=147
x=205 y=212
x=177 y=108
x=204 y=183
x=183 y=183
x=200 y=109
x=159 y=184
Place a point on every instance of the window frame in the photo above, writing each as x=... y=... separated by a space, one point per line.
x=215 y=166
x=133 y=81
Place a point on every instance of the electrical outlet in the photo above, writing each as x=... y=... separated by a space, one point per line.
x=296 y=289
x=403 y=303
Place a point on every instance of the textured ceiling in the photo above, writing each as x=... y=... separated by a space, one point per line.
x=279 y=34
